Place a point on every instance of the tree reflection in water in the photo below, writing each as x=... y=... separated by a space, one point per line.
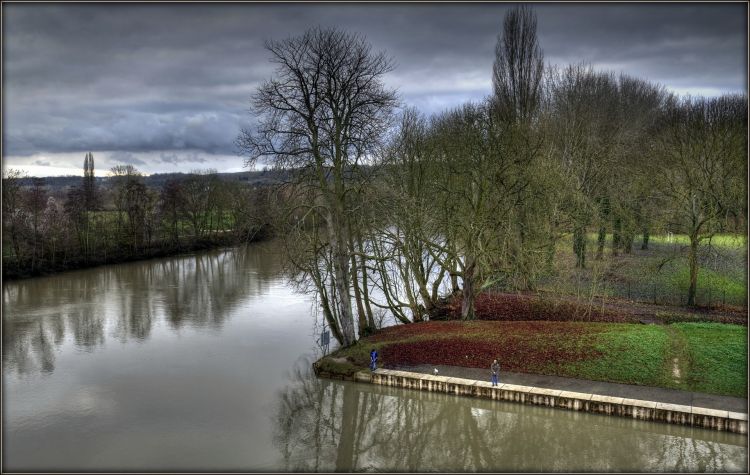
x=324 y=425
x=125 y=301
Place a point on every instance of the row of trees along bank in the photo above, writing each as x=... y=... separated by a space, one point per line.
x=124 y=219
x=398 y=204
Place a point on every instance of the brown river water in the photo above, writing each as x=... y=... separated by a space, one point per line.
x=201 y=363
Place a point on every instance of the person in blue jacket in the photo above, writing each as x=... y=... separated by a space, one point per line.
x=373 y=360
x=495 y=367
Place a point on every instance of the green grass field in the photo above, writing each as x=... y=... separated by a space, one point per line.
x=184 y=225
x=717 y=357
x=633 y=354
x=659 y=274
x=725 y=241
x=703 y=357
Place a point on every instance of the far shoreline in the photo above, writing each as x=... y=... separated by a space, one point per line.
x=155 y=252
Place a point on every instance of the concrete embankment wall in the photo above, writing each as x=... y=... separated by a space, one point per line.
x=615 y=406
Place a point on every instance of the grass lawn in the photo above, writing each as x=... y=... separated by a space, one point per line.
x=717 y=355
x=224 y=220
x=659 y=274
x=727 y=241
x=710 y=358
x=719 y=286
x=627 y=353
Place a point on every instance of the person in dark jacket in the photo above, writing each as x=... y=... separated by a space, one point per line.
x=495 y=367
x=373 y=359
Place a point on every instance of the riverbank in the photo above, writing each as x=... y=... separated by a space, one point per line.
x=12 y=271
x=684 y=373
x=612 y=402
x=708 y=358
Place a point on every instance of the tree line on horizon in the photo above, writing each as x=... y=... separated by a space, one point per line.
x=388 y=201
x=125 y=220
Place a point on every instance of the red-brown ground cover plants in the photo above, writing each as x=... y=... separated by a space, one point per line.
x=499 y=306
x=712 y=357
x=519 y=346
x=514 y=307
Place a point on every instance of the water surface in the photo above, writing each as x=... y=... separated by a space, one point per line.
x=200 y=363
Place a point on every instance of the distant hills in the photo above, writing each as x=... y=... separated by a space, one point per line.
x=264 y=177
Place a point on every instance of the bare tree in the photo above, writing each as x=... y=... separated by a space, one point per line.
x=200 y=190
x=77 y=219
x=629 y=194
x=699 y=163
x=409 y=277
x=323 y=113
x=170 y=198
x=518 y=67
x=249 y=209
x=476 y=186
x=54 y=228
x=119 y=176
x=90 y=192
x=13 y=213
x=518 y=73
x=134 y=202
x=35 y=201
x=585 y=138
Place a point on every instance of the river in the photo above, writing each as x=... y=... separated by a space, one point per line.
x=201 y=363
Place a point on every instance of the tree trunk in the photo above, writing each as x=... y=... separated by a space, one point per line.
x=366 y=296
x=406 y=277
x=627 y=243
x=550 y=258
x=644 y=245
x=579 y=246
x=361 y=317
x=340 y=252
x=424 y=293
x=467 y=304
x=453 y=272
x=436 y=290
x=616 y=236
x=522 y=278
x=601 y=240
x=343 y=298
x=365 y=284
x=332 y=323
x=693 y=264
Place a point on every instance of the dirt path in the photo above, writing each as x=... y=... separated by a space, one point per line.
x=679 y=365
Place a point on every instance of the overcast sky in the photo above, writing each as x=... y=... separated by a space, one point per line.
x=166 y=87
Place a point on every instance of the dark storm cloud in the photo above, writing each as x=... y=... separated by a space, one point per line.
x=137 y=78
x=176 y=159
x=126 y=158
x=683 y=46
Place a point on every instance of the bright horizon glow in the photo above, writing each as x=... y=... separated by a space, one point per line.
x=148 y=163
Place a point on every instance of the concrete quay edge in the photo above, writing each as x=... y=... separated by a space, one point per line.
x=596 y=403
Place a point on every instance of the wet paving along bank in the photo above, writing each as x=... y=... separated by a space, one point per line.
x=707 y=418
